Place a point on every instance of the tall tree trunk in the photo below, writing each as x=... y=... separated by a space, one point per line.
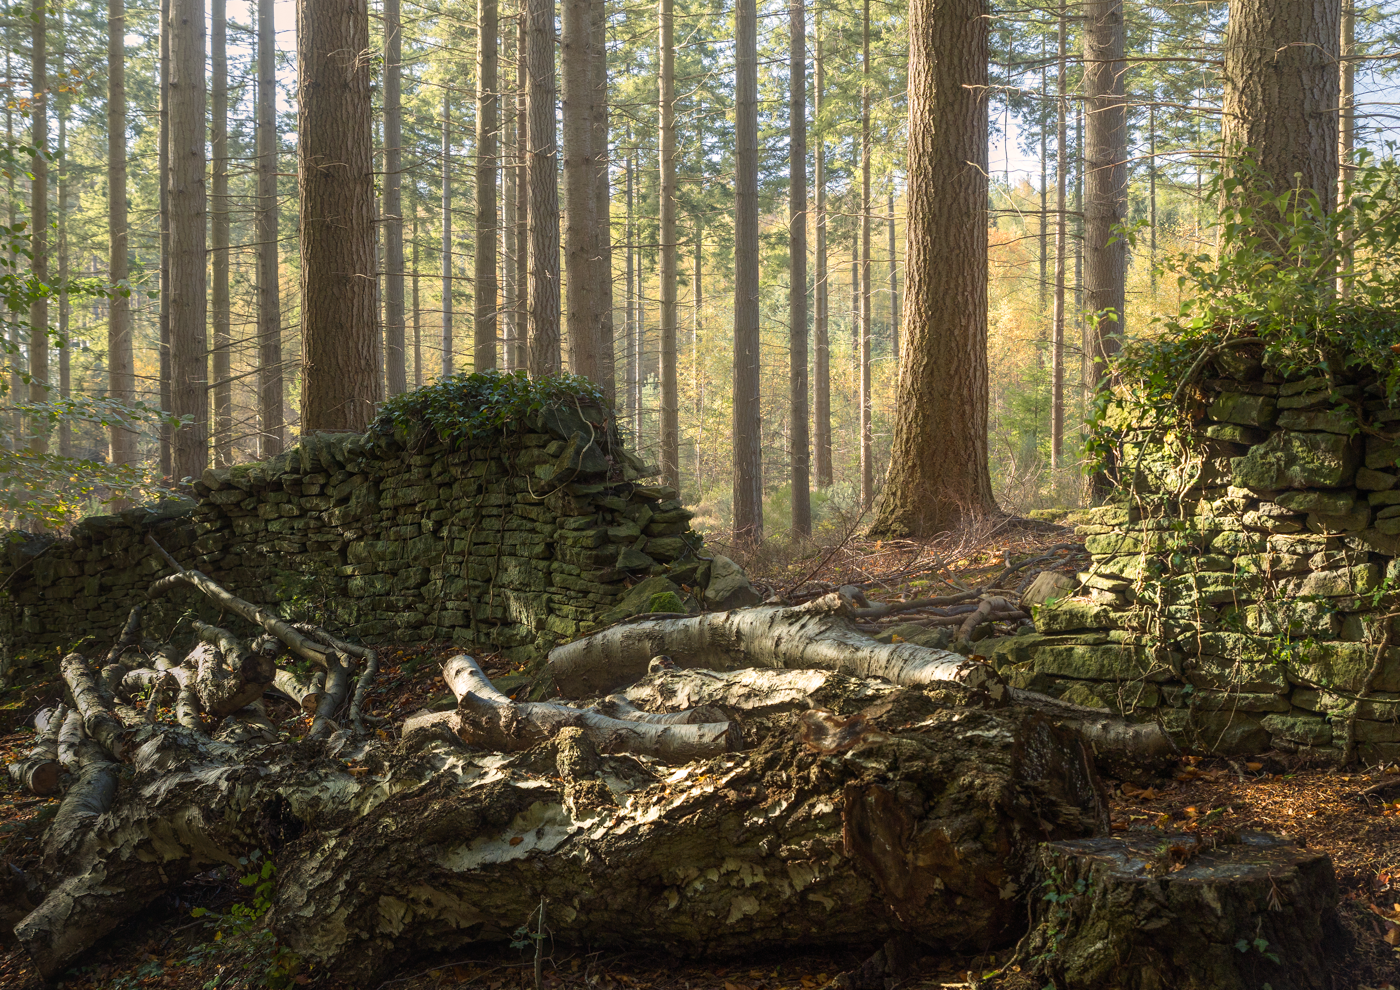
x=1282 y=89
x=485 y=322
x=821 y=358
x=602 y=188
x=543 y=175
x=121 y=377
x=697 y=379
x=417 y=312
x=1105 y=178
x=634 y=366
x=938 y=471
x=748 y=447
x=1044 y=286
x=270 y=395
x=446 y=233
x=342 y=373
x=520 y=303
x=670 y=399
x=39 y=225
x=894 y=283
x=189 y=342
x=167 y=433
x=867 y=442
x=65 y=428
x=797 y=268
x=579 y=200
x=15 y=358
x=395 y=372
x=1346 y=139
x=510 y=252
x=219 y=235
x=1057 y=340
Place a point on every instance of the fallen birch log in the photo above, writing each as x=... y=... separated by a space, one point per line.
x=817 y=636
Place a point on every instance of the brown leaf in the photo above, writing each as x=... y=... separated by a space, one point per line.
x=516 y=840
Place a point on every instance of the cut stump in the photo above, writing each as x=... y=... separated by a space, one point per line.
x=1159 y=912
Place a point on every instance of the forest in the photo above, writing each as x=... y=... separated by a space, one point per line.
x=583 y=495
x=444 y=103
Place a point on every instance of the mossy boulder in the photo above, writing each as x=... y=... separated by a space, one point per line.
x=1290 y=459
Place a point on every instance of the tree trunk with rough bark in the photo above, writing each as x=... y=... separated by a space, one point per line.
x=485 y=322
x=39 y=224
x=270 y=390
x=580 y=192
x=1057 y=327
x=167 y=433
x=800 y=458
x=1105 y=178
x=821 y=344
x=521 y=300
x=219 y=235
x=602 y=191
x=867 y=440
x=747 y=404
x=395 y=364
x=187 y=217
x=542 y=170
x=342 y=374
x=121 y=374
x=938 y=474
x=445 y=340
x=1282 y=90
x=666 y=153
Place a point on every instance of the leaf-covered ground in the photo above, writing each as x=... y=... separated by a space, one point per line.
x=208 y=935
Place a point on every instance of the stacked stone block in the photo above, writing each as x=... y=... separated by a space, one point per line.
x=1242 y=593
x=515 y=544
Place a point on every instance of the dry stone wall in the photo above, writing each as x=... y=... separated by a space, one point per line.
x=1242 y=594
x=544 y=533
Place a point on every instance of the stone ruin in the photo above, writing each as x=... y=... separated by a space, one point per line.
x=1244 y=577
x=545 y=531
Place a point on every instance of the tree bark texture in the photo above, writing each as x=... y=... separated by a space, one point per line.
x=1105 y=178
x=167 y=434
x=666 y=124
x=938 y=472
x=893 y=282
x=602 y=191
x=39 y=223
x=219 y=234
x=1150 y=911
x=188 y=206
x=1282 y=90
x=486 y=322
x=395 y=365
x=445 y=341
x=510 y=157
x=521 y=300
x=747 y=405
x=867 y=440
x=1057 y=329
x=121 y=374
x=270 y=389
x=580 y=193
x=542 y=170
x=821 y=356
x=342 y=380
x=800 y=460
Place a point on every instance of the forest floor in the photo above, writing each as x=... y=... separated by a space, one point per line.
x=206 y=934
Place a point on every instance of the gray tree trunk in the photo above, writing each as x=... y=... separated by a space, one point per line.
x=1057 y=334
x=938 y=474
x=894 y=283
x=270 y=389
x=65 y=429
x=342 y=369
x=510 y=157
x=121 y=376
x=395 y=370
x=219 y=235
x=666 y=152
x=542 y=166
x=521 y=301
x=446 y=339
x=747 y=438
x=187 y=218
x=167 y=434
x=800 y=459
x=485 y=323
x=1105 y=178
x=867 y=441
x=821 y=357
x=602 y=188
x=39 y=225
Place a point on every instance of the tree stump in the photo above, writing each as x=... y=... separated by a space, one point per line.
x=1160 y=912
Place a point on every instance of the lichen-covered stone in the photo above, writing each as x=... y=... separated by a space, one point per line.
x=1243 y=409
x=1109 y=662
x=1298 y=460
x=1298 y=728
x=1335 y=420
